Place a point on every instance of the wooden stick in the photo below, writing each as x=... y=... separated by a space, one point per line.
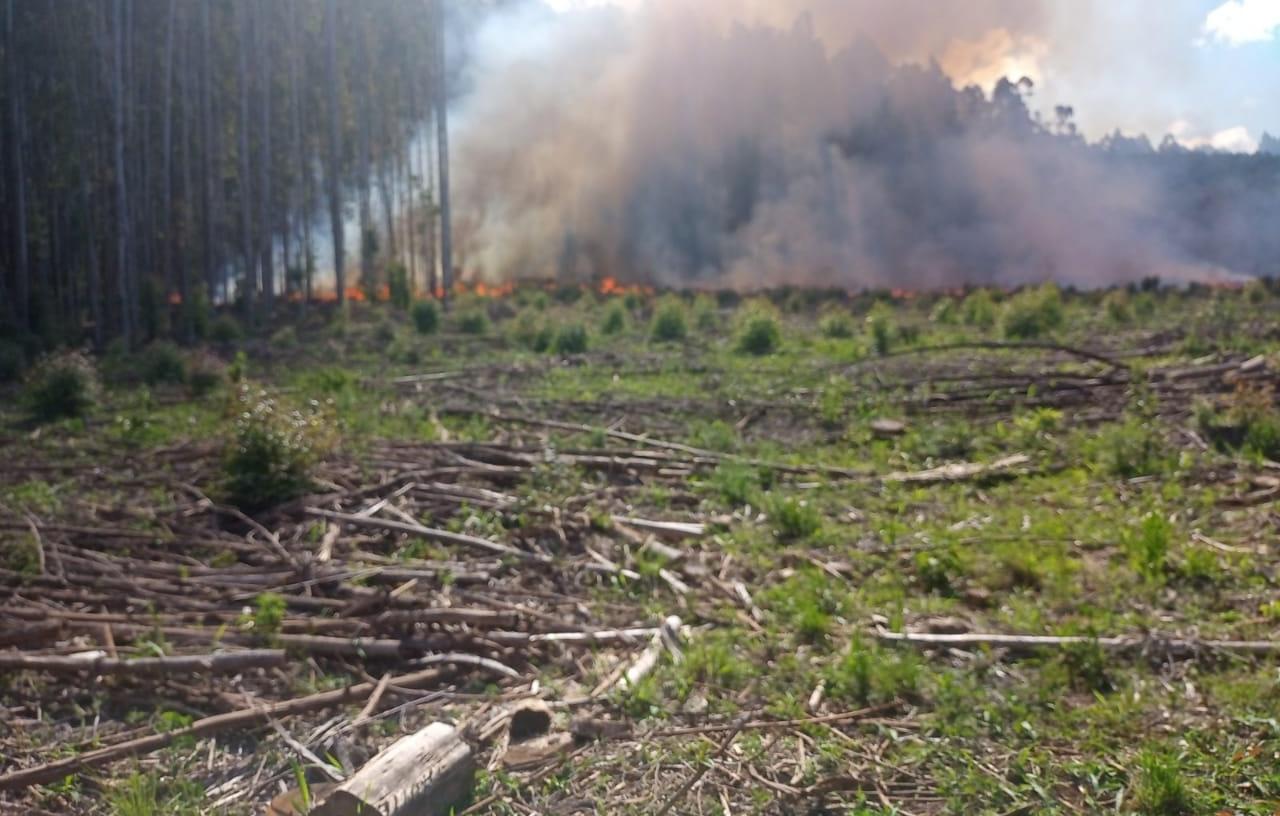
x=423 y=774
x=1174 y=646
x=96 y=663
x=62 y=768
x=429 y=533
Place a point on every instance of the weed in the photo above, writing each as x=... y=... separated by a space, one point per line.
x=1088 y=667
x=426 y=316
x=145 y=795
x=945 y=313
x=736 y=484
x=669 y=324
x=793 y=519
x=268 y=615
x=867 y=675
x=62 y=386
x=939 y=571
x=706 y=314
x=1148 y=546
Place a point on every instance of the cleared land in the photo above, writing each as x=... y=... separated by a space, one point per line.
x=985 y=554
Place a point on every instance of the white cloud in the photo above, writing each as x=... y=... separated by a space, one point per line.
x=1238 y=22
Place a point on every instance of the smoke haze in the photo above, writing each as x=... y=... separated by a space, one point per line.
x=751 y=143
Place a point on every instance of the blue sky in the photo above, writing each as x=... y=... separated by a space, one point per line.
x=1207 y=71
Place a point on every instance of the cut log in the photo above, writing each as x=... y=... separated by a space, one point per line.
x=671 y=529
x=424 y=774
x=960 y=472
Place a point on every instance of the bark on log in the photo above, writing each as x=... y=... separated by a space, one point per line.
x=424 y=774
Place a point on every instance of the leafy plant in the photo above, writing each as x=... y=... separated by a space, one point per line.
x=205 y=372
x=268 y=615
x=62 y=386
x=1132 y=449
x=939 y=571
x=737 y=484
x=836 y=325
x=1117 y=307
x=979 y=309
x=880 y=327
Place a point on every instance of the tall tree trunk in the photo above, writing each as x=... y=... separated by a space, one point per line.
x=210 y=147
x=166 y=180
x=122 y=192
x=22 y=286
x=442 y=123
x=335 y=102
x=265 y=221
x=248 y=286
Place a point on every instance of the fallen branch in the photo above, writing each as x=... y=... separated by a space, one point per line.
x=62 y=768
x=959 y=472
x=1184 y=647
x=97 y=663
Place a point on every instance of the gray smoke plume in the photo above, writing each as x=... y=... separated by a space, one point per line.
x=751 y=143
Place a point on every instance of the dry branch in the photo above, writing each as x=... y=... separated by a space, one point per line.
x=62 y=768
x=1183 y=647
x=96 y=663
x=429 y=533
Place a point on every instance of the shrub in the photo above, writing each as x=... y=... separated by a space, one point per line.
x=760 y=336
x=945 y=313
x=1117 y=307
x=205 y=373
x=706 y=314
x=62 y=386
x=869 y=674
x=837 y=325
x=880 y=326
x=1033 y=313
x=669 y=324
x=384 y=333
x=568 y=293
x=426 y=316
x=793 y=519
x=398 y=286
x=632 y=302
x=12 y=360
x=571 y=339
x=1255 y=291
x=1132 y=449
x=737 y=484
x=615 y=319
x=195 y=315
x=225 y=331
x=979 y=310
x=162 y=363
x=1250 y=422
x=285 y=338
x=940 y=571
x=473 y=322
x=271 y=452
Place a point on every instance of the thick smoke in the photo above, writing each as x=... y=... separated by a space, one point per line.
x=757 y=142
